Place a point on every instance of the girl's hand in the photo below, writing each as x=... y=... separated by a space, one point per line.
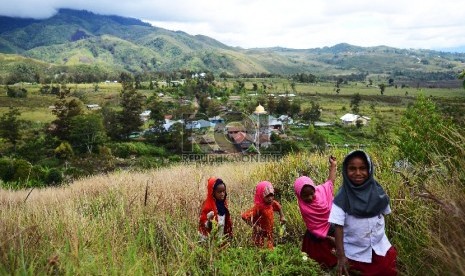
x=342 y=266
x=282 y=220
x=332 y=160
x=210 y=215
x=332 y=240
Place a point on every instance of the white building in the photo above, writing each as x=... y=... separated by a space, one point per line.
x=352 y=119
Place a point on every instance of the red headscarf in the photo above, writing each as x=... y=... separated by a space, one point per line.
x=263 y=189
x=208 y=205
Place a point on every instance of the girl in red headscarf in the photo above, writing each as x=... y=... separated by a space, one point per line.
x=261 y=215
x=215 y=207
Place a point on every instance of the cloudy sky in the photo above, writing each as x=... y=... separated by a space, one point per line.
x=299 y=24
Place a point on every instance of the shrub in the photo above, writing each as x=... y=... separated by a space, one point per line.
x=38 y=173
x=421 y=132
x=54 y=177
x=64 y=151
x=146 y=162
x=16 y=92
x=285 y=259
x=123 y=150
x=6 y=169
x=22 y=170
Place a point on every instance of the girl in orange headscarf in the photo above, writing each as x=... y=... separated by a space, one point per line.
x=215 y=207
x=261 y=215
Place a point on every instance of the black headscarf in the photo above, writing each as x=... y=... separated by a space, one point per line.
x=220 y=207
x=365 y=200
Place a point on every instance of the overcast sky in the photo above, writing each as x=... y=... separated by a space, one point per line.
x=298 y=24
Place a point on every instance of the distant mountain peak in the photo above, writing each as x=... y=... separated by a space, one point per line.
x=127 y=21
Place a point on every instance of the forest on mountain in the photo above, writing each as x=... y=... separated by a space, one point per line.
x=88 y=47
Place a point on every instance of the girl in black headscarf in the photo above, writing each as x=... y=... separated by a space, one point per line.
x=358 y=211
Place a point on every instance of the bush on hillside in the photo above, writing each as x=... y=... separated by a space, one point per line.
x=14 y=92
x=421 y=133
x=6 y=169
x=125 y=150
x=54 y=177
x=22 y=170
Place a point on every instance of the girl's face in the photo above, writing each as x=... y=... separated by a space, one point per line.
x=357 y=170
x=220 y=192
x=268 y=199
x=307 y=194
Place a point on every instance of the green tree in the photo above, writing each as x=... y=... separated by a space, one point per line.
x=239 y=87
x=36 y=147
x=271 y=104
x=16 y=92
x=421 y=132
x=380 y=129
x=87 y=132
x=318 y=139
x=111 y=123
x=283 y=105
x=10 y=126
x=23 y=73
x=158 y=109
x=132 y=104
x=138 y=81
x=127 y=81
x=462 y=77
x=65 y=108
x=313 y=113
x=382 y=88
x=177 y=139
x=355 y=103
x=213 y=108
x=295 y=108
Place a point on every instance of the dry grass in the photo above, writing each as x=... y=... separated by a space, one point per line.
x=146 y=222
x=111 y=213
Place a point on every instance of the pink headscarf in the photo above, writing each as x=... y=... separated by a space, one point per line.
x=315 y=214
x=262 y=189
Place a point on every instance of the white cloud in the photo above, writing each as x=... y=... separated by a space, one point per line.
x=292 y=23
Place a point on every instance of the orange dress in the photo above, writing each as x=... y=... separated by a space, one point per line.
x=262 y=219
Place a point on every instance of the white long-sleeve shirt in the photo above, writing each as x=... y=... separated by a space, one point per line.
x=361 y=235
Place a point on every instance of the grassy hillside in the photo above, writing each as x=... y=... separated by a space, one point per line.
x=146 y=222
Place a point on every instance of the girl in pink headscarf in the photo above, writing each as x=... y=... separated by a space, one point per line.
x=315 y=205
x=261 y=215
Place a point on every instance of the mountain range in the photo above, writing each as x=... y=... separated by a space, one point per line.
x=73 y=38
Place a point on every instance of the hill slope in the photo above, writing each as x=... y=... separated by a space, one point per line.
x=74 y=37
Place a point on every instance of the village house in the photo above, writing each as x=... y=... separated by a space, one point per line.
x=350 y=119
x=145 y=115
x=275 y=124
x=93 y=106
x=241 y=140
x=216 y=120
x=287 y=120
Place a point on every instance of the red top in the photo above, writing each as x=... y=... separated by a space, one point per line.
x=210 y=205
x=261 y=216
